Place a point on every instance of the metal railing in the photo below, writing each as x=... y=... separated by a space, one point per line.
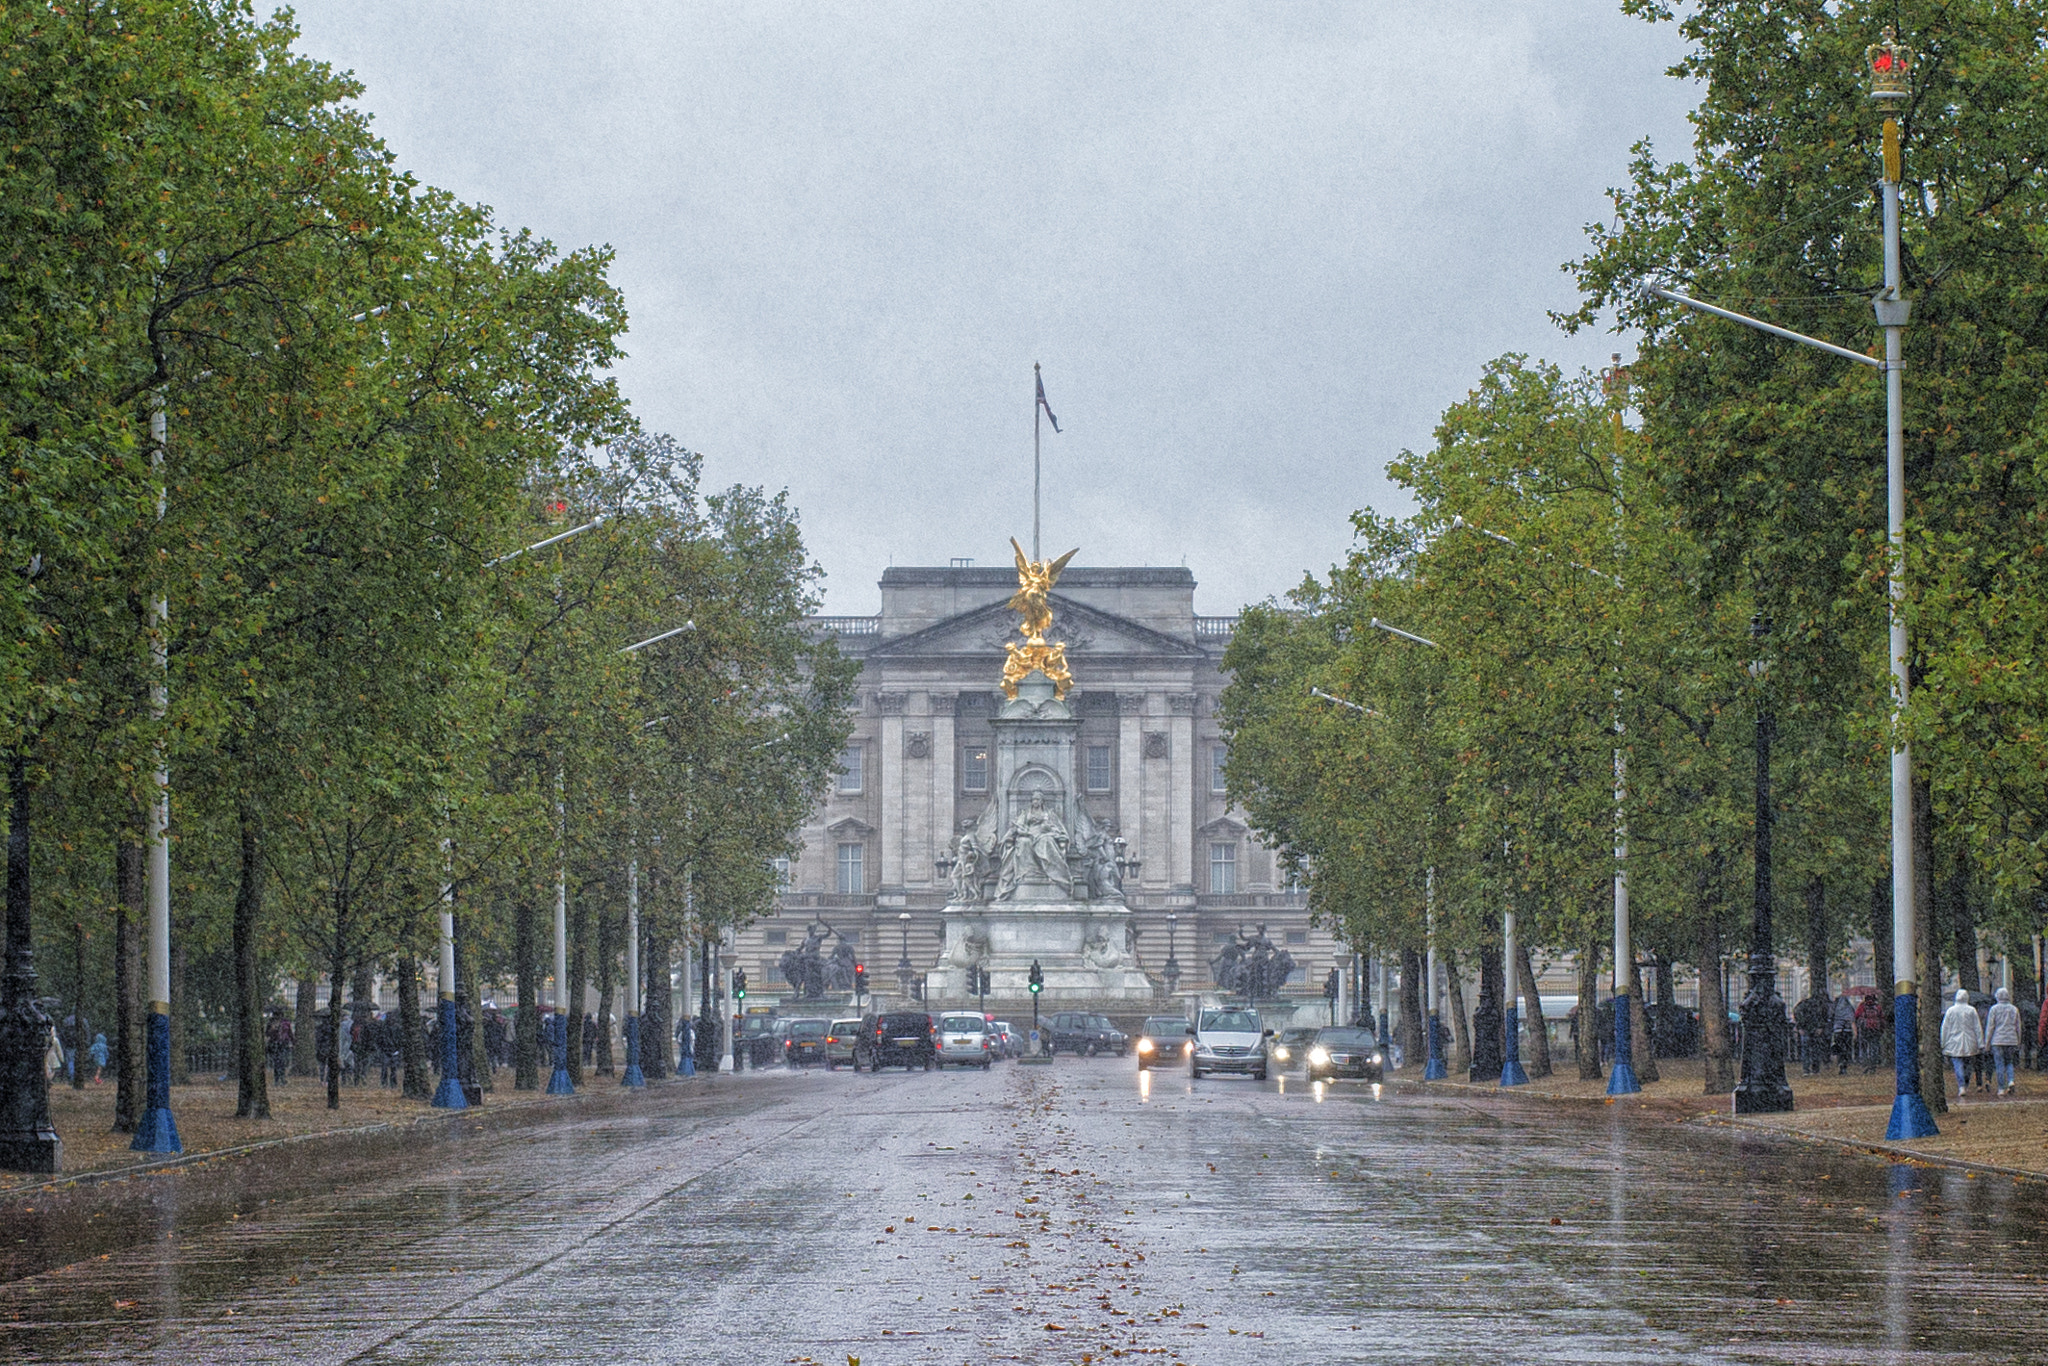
x=850 y=626
x=1215 y=628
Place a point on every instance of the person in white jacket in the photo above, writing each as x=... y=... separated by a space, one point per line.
x=1962 y=1038
x=2002 y=1032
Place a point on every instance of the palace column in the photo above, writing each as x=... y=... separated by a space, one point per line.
x=1130 y=774
x=889 y=766
x=1181 y=742
x=945 y=755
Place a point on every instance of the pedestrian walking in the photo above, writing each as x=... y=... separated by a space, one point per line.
x=1843 y=1017
x=1962 y=1038
x=2003 y=1032
x=99 y=1057
x=277 y=1042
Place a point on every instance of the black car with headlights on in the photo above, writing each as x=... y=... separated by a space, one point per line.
x=1290 y=1048
x=1344 y=1052
x=1164 y=1039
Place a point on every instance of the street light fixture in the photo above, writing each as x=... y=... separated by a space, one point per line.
x=1890 y=68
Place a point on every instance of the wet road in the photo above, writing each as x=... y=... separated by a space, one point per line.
x=1063 y=1214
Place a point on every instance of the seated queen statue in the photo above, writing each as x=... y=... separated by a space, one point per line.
x=1034 y=852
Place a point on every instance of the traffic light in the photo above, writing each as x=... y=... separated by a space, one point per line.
x=860 y=980
x=739 y=984
x=983 y=981
x=1330 y=986
x=1037 y=977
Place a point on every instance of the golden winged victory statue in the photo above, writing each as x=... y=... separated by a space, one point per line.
x=1035 y=579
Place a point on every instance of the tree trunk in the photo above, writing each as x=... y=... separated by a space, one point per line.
x=1539 y=1033
x=1460 y=1022
x=305 y=1025
x=1642 y=1043
x=1817 y=935
x=1587 y=1035
x=526 y=1029
x=472 y=1056
x=1414 y=1048
x=1717 y=1042
x=412 y=1032
x=1928 y=973
x=252 y=1078
x=1882 y=969
x=81 y=1033
x=657 y=1029
x=337 y=980
x=1963 y=921
x=362 y=995
x=607 y=949
x=181 y=1063
x=578 y=992
x=131 y=916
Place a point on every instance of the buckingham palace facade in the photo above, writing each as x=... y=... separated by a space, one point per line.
x=1149 y=762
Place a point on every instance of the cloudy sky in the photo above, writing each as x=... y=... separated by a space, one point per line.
x=1258 y=247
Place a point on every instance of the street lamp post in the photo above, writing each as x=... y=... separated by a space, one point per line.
x=558 y=1080
x=633 y=1075
x=903 y=962
x=1433 y=1069
x=448 y=1095
x=1763 y=1089
x=157 y=1131
x=1890 y=69
x=1171 y=972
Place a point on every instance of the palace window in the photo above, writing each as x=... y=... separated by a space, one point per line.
x=1098 y=768
x=1217 y=755
x=853 y=878
x=849 y=769
x=974 y=768
x=775 y=937
x=783 y=873
x=1223 y=869
x=1297 y=936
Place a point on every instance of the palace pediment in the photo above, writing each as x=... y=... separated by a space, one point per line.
x=982 y=633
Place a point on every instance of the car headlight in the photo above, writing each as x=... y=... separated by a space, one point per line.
x=1144 y=1045
x=1201 y=1047
x=1375 y=1060
x=1319 y=1055
x=1280 y=1054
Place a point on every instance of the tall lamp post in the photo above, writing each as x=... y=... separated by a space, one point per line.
x=1763 y=1089
x=157 y=1131
x=1433 y=1069
x=1890 y=67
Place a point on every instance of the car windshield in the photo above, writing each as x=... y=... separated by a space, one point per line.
x=1345 y=1038
x=806 y=1029
x=1166 y=1024
x=1230 y=1022
x=1100 y=1022
x=963 y=1024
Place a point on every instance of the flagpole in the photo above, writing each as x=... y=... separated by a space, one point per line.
x=1037 y=387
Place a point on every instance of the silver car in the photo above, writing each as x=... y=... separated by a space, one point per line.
x=965 y=1041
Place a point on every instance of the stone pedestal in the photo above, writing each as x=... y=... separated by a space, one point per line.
x=1082 y=947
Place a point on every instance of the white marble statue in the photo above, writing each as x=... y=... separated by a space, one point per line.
x=1034 y=851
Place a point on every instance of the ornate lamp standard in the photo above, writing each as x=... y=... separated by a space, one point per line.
x=1763 y=1089
x=903 y=963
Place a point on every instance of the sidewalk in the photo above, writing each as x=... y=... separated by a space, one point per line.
x=205 y=1115
x=1847 y=1111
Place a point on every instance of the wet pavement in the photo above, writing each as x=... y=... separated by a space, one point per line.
x=1073 y=1213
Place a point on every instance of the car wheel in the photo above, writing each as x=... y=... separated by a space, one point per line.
x=1194 y=1072
x=986 y=1065
x=1259 y=1075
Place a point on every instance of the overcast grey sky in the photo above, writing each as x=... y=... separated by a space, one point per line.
x=1258 y=247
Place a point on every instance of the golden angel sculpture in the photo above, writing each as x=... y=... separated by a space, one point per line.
x=1035 y=579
